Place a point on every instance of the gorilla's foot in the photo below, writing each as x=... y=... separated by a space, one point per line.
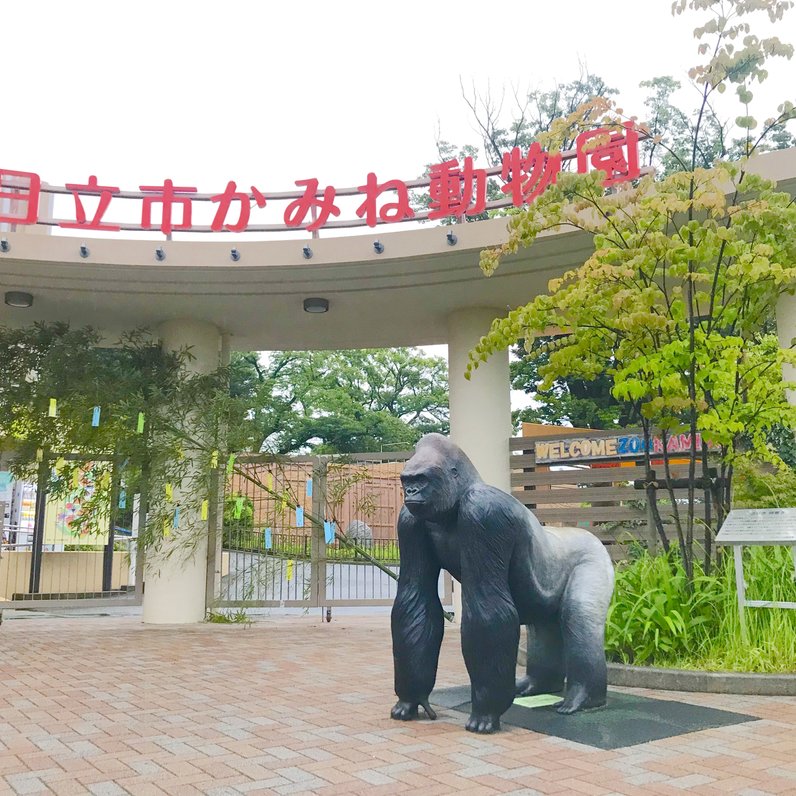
x=578 y=698
x=483 y=724
x=530 y=686
x=406 y=711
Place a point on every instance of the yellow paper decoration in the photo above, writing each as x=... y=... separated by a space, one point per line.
x=205 y=506
x=53 y=408
x=39 y=454
x=76 y=478
x=169 y=493
x=289 y=570
x=214 y=460
x=106 y=479
x=60 y=463
x=166 y=527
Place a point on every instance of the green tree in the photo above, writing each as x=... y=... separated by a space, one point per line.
x=673 y=303
x=340 y=401
x=154 y=420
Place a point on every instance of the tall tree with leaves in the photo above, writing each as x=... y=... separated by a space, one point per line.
x=674 y=302
x=340 y=401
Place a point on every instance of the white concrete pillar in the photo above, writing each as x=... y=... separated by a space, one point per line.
x=175 y=585
x=480 y=409
x=786 y=331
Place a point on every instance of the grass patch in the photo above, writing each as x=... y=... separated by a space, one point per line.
x=239 y=617
x=656 y=619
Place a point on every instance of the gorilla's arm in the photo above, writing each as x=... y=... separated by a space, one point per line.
x=490 y=624
x=417 y=619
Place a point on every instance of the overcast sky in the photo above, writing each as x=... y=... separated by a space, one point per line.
x=267 y=93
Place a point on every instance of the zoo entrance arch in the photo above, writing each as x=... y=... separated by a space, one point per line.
x=416 y=287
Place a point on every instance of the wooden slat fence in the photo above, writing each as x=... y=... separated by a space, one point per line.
x=597 y=494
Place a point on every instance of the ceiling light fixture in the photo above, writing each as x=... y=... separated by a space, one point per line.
x=316 y=305
x=18 y=298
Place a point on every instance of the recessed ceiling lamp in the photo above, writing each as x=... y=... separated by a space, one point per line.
x=316 y=305
x=18 y=298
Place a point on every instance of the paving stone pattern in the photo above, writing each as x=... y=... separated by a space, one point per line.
x=109 y=706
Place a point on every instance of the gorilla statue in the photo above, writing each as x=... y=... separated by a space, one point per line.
x=556 y=581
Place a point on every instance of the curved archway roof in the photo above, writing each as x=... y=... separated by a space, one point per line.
x=400 y=297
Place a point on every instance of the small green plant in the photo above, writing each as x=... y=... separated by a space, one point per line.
x=238 y=617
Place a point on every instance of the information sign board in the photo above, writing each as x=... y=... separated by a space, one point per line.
x=759 y=527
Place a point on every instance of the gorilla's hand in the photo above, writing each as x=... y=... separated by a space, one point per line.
x=405 y=711
x=482 y=723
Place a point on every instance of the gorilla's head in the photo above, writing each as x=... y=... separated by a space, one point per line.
x=435 y=477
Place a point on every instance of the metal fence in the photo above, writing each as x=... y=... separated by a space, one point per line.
x=272 y=556
x=45 y=561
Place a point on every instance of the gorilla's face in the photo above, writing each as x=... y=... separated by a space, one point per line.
x=430 y=490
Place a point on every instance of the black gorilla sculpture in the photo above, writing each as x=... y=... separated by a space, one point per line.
x=557 y=581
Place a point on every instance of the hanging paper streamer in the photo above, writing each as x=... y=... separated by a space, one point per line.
x=238 y=507
x=76 y=478
x=60 y=463
x=289 y=570
x=214 y=460
x=139 y=428
x=53 y=410
x=122 y=499
x=95 y=417
x=309 y=487
x=284 y=502
x=299 y=517
x=328 y=531
x=169 y=492
x=176 y=516
x=269 y=481
x=39 y=454
x=205 y=507
x=166 y=527
x=230 y=463
x=105 y=480
x=267 y=541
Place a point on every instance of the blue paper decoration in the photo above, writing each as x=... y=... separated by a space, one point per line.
x=328 y=531
x=309 y=487
x=267 y=539
x=177 y=517
x=95 y=417
x=299 y=517
x=5 y=479
x=122 y=499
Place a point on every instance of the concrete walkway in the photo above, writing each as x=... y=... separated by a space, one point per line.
x=289 y=705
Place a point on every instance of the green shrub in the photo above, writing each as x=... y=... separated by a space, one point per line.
x=656 y=619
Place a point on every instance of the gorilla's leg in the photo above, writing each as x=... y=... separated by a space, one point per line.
x=583 y=611
x=544 y=667
x=417 y=620
x=490 y=623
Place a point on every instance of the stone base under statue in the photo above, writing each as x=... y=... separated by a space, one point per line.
x=626 y=719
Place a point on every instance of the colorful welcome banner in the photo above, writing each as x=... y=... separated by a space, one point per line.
x=624 y=445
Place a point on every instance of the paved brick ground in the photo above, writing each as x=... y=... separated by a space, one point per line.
x=108 y=706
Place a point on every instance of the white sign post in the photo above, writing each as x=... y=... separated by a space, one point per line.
x=757 y=527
